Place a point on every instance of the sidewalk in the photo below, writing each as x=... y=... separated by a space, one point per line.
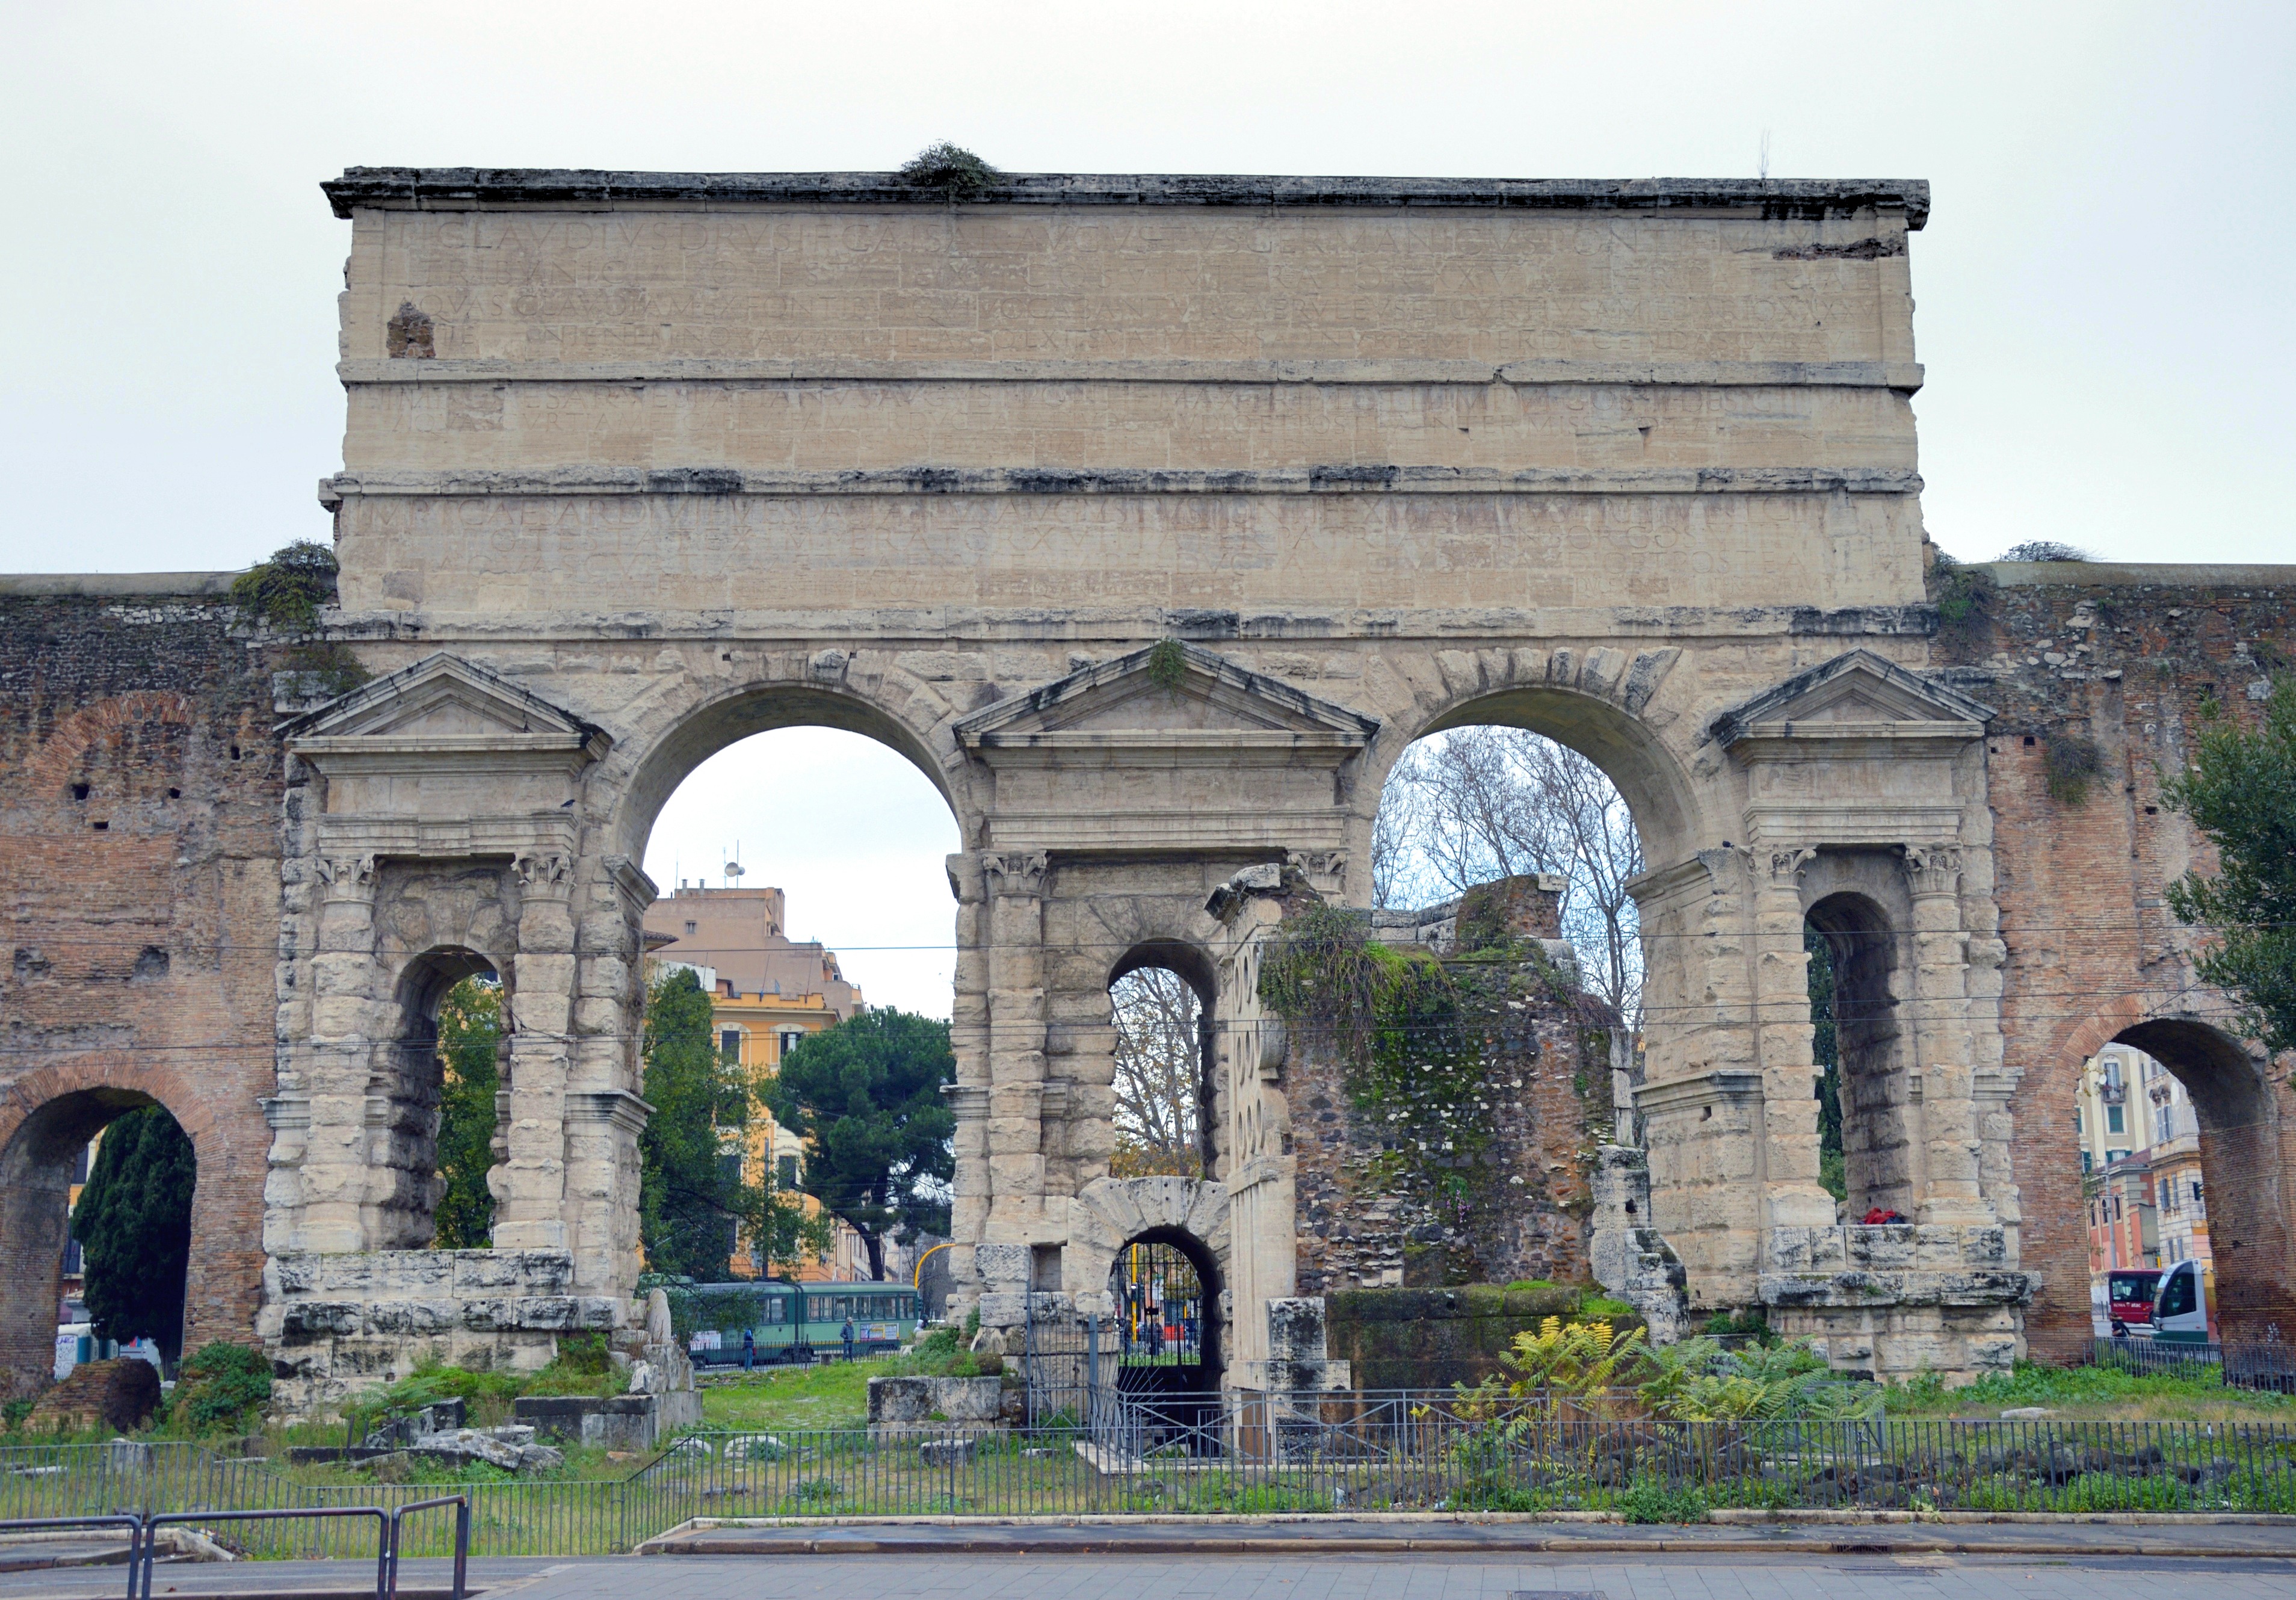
x=2105 y=1534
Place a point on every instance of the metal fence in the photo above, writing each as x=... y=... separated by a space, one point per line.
x=2265 y=1364
x=1357 y=1454
x=1233 y=1452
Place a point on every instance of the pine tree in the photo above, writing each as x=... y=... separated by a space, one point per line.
x=133 y=1225
x=866 y=1097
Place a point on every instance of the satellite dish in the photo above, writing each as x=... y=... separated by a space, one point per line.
x=733 y=869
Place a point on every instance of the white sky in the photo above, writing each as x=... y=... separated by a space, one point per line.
x=2104 y=287
x=851 y=831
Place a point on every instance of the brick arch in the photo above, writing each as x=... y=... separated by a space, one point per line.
x=78 y=1094
x=52 y=763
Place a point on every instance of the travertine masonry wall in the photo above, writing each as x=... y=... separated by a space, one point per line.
x=140 y=793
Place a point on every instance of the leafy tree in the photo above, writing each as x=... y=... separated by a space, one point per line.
x=2240 y=791
x=470 y=1042
x=690 y=1192
x=133 y=1225
x=866 y=1097
x=1825 y=1050
x=779 y=1224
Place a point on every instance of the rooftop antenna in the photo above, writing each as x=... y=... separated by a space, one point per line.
x=1763 y=170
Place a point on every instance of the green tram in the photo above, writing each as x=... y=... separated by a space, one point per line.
x=791 y=1322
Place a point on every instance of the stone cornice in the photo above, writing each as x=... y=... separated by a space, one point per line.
x=1904 y=376
x=1335 y=479
x=506 y=188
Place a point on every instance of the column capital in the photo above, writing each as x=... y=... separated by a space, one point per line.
x=1019 y=873
x=348 y=877
x=1932 y=869
x=1780 y=865
x=545 y=871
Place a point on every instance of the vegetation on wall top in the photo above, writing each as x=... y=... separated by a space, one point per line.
x=951 y=171
x=287 y=591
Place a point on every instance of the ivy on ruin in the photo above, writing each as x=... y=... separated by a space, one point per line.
x=1417 y=1036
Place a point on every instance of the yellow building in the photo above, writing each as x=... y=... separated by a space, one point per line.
x=767 y=992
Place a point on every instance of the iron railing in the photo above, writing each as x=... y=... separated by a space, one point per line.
x=1344 y=1452
x=2264 y=1364
x=142 y=1530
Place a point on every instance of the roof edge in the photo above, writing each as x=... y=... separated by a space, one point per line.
x=2108 y=574
x=492 y=188
x=115 y=585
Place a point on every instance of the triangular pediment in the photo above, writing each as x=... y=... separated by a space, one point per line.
x=444 y=701
x=1171 y=693
x=1860 y=692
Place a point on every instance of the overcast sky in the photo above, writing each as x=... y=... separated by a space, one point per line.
x=2104 y=286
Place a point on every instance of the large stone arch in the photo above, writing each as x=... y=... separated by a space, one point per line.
x=47 y=1115
x=1606 y=703
x=695 y=717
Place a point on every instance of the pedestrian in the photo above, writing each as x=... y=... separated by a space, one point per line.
x=749 y=1348
x=847 y=1337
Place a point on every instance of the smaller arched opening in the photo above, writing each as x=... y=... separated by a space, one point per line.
x=96 y=1188
x=2201 y=1175
x=1168 y=1108
x=1164 y=1294
x=1870 y=1151
x=439 y=1139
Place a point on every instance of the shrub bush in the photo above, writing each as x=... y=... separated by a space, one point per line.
x=221 y=1388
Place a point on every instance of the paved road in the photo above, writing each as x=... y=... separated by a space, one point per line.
x=1754 y=1576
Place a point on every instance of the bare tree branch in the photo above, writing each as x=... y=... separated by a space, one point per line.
x=1480 y=803
x=1157 y=1070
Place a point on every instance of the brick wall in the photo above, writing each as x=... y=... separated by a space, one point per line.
x=140 y=789
x=2124 y=658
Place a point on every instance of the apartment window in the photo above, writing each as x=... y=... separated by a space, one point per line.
x=2112 y=1156
x=785 y=1175
x=2116 y=1120
x=692 y=929
x=790 y=1042
x=2164 y=1124
x=729 y=1165
x=2080 y=1122
x=2088 y=1162
x=729 y=1044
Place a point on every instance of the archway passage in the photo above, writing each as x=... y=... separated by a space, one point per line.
x=148 y=1267
x=2246 y=1172
x=1163 y=1289
x=432 y=1153
x=1168 y=1116
x=1869 y=1124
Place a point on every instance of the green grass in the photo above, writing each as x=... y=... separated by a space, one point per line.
x=832 y=1395
x=2093 y=1394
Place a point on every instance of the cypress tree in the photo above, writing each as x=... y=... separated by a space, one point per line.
x=133 y=1225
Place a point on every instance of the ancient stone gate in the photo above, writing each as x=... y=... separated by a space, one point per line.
x=1152 y=519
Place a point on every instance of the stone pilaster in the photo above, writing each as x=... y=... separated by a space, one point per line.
x=1015 y=885
x=346 y=1022
x=1951 y=1191
x=1792 y=1195
x=529 y=1183
x=968 y=1096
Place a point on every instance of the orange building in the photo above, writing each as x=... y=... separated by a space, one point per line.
x=767 y=992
